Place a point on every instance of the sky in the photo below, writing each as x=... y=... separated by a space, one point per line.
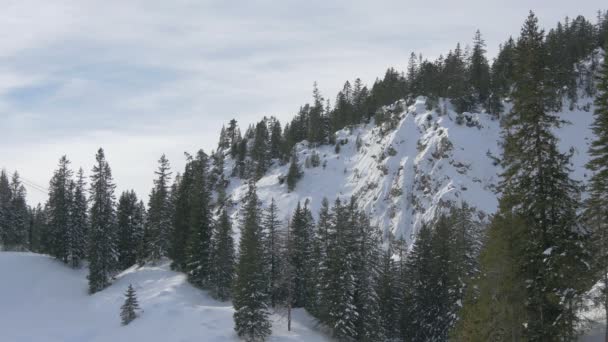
x=143 y=78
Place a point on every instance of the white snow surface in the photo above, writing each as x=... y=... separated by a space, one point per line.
x=43 y=300
x=402 y=176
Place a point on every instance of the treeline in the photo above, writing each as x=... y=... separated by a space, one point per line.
x=464 y=76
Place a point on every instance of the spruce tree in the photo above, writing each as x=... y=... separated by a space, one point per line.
x=58 y=210
x=260 y=151
x=301 y=255
x=539 y=194
x=294 y=173
x=128 y=311
x=158 y=221
x=17 y=234
x=322 y=240
x=421 y=305
x=223 y=257
x=201 y=224
x=273 y=251
x=5 y=203
x=130 y=229
x=389 y=299
x=495 y=309
x=536 y=183
x=479 y=71
x=366 y=261
x=250 y=296
x=339 y=278
x=102 y=235
x=181 y=219
x=596 y=212
x=78 y=223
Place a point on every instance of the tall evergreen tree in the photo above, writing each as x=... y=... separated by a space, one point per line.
x=181 y=219
x=130 y=219
x=102 y=235
x=223 y=258
x=479 y=71
x=250 y=296
x=158 y=220
x=16 y=236
x=538 y=191
x=389 y=299
x=201 y=224
x=78 y=223
x=597 y=204
x=5 y=203
x=294 y=173
x=367 y=258
x=58 y=210
x=302 y=235
x=339 y=278
x=273 y=251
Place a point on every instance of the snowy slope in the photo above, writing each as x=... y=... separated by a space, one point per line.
x=402 y=176
x=43 y=300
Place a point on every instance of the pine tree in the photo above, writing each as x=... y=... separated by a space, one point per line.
x=276 y=139
x=339 y=278
x=130 y=229
x=16 y=236
x=389 y=300
x=128 y=311
x=366 y=262
x=102 y=236
x=421 y=305
x=294 y=173
x=250 y=297
x=181 y=219
x=495 y=310
x=260 y=151
x=201 y=224
x=596 y=212
x=538 y=194
x=78 y=223
x=5 y=203
x=537 y=184
x=37 y=228
x=322 y=240
x=315 y=132
x=479 y=71
x=223 y=258
x=158 y=223
x=302 y=235
x=58 y=210
x=273 y=239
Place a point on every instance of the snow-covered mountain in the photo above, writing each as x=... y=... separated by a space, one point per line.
x=402 y=172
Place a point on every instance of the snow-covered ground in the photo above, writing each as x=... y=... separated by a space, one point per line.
x=43 y=300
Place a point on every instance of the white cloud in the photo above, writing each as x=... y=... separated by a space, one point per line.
x=162 y=76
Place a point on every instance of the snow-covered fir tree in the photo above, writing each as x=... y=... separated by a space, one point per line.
x=596 y=207
x=130 y=220
x=103 y=255
x=223 y=258
x=199 y=262
x=250 y=297
x=78 y=222
x=158 y=219
x=128 y=310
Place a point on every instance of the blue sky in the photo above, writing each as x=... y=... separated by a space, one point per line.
x=142 y=78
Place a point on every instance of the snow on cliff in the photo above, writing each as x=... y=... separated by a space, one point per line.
x=402 y=174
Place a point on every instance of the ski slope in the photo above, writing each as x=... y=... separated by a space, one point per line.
x=43 y=300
